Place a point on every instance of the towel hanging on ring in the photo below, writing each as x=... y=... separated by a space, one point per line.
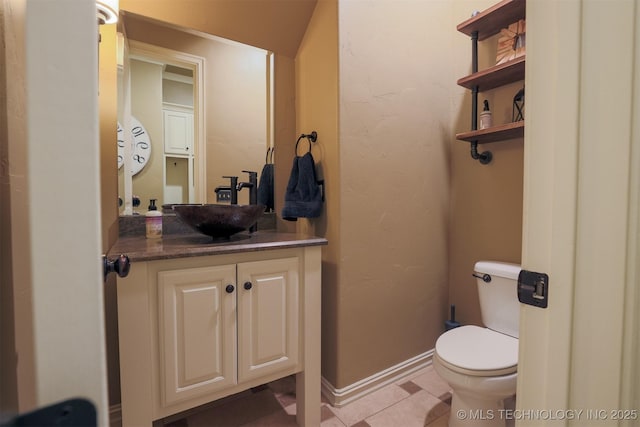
x=265 y=187
x=303 y=197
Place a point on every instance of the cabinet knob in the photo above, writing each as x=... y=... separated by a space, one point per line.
x=248 y=285
x=229 y=288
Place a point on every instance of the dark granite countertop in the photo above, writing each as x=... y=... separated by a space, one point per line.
x=139 y=248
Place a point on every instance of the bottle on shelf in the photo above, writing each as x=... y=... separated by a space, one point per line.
x=486 y=121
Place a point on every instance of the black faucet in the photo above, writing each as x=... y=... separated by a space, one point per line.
x=253 y=193
x=252 y=185
x=233 y=189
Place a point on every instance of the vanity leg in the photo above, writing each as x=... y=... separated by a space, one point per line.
x=308 y=400
x=135 y=349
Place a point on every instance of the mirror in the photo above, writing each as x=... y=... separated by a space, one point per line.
x=201 y=103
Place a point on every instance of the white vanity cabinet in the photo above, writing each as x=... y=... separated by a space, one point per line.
x=202 y=314
x=195 y=329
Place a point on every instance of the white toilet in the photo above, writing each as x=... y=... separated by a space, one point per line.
x=480 y=364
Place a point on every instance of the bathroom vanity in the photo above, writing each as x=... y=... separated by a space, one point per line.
x=199 y=321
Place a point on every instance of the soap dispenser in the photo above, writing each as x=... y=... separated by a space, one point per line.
x=153 y=221
x=486 y=120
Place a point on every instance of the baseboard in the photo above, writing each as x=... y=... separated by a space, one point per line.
x=115 y=415
x=340 y=397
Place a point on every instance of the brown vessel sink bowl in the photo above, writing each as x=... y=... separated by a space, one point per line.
x=219 y=221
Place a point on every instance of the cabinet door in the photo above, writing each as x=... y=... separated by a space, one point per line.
x=268 y=316
x=178 y=132
x=197 y=331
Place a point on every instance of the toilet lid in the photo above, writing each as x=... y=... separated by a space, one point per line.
x=478 y=351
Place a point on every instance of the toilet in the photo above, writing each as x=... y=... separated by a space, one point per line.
x=480 y=363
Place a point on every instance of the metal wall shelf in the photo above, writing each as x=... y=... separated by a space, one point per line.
x=496 y=76
x=490 y=21
x=494 y=134
x=480 y=27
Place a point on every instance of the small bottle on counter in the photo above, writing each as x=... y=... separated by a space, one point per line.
x=153 y=221
x=486 y=120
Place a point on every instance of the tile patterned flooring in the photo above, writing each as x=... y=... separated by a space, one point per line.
x=418 y=400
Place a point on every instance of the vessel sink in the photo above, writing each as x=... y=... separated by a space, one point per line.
x=219 y=221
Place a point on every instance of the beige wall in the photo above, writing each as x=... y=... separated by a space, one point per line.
x=277 y=26
x=317 y=76
x=284 y=112
x=394 y=139
x=146 y=106
x=237 y=107
x=486 y=200
x=108 y=115
x=385 y=269
x=408 y=211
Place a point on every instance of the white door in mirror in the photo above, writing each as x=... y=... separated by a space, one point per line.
x=140 y=146
x=178 y=132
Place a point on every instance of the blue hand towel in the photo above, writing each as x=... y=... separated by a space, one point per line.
x=303 y=197
x=265 y=188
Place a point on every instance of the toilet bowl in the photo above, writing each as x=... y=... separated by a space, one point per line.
x=480 y=363
x=480 y=366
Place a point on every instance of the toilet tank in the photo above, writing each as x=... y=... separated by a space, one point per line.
x=499 y=304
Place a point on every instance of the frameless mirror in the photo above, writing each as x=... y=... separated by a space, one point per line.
x=198 y=108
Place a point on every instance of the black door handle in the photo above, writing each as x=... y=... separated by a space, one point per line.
x=120 y=266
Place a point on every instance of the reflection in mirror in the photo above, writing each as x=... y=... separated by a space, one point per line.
x=167 y=145
x=205 y=106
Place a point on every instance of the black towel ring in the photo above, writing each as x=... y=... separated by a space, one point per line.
x=298 y=141
x=312 y=137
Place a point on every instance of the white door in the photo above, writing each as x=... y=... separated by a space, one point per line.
x=179 y=157
x=582 y=165
x=178 y=132
x=55 y=222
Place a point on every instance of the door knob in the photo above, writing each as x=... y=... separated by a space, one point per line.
x=248 y=285
x=120 y=266
x=230 y=288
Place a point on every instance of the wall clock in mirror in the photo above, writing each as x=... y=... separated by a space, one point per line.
x=140 y=146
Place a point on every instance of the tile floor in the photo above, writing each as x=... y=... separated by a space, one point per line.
x=420 y=399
